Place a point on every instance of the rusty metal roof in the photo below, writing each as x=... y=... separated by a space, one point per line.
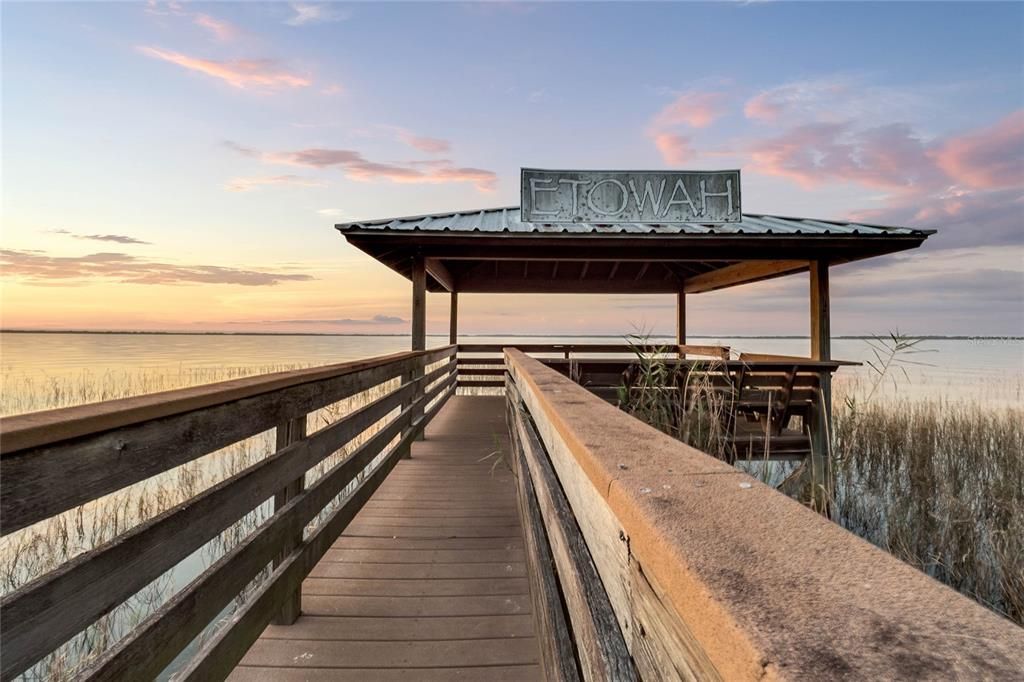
x=507 y=220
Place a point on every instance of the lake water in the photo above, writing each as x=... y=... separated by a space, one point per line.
x=990 y=370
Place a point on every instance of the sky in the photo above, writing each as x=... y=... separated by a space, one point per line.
x=181 y=165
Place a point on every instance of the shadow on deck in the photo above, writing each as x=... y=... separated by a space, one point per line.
x=429 y=580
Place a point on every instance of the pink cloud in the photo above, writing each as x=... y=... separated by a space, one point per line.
x=357 y=167
x=675 y=149
x=221 y=30
x=804 y=99
x=695 y=109
x=36 y=267
x=888 y=157
x=989 y=158
x=430 y=145
x=250 y=183
x=763 y=107
x=240 y=73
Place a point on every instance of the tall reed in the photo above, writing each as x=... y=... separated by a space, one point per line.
x=938 y=483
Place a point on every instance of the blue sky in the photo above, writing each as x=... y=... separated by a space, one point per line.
x=230 y=137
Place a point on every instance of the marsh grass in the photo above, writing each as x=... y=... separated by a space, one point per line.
x=39 y=549
x=938 y=483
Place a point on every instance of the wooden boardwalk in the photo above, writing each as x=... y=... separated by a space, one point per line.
x=429 y=580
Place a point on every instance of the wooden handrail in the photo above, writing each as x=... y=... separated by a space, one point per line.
x=63 y=472
x=600 y=652
x=41 y=615
x=36 y=429
x=713 y=575
x=721 y=352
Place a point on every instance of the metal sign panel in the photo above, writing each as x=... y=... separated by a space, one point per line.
x=579 y=196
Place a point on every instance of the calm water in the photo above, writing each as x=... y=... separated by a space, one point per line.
x=991 y=370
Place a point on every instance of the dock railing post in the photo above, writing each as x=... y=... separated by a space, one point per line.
x=289 y=432
x=419 y=330
x=820 y=476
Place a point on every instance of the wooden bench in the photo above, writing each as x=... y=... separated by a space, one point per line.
x=767 y=402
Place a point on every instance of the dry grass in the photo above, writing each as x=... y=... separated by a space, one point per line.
x=938 y=483
x=39 y=549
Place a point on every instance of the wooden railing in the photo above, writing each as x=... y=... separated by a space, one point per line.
x=482 y=365
x=651 y=559
x=54 y=461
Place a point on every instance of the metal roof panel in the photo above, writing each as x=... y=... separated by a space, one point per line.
x=507 y=219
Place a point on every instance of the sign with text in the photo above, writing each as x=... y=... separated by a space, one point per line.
x=579 y=196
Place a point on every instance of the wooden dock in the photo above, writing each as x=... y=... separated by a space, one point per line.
x=429 y=581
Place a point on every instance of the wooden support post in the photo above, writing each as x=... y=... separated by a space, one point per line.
x=453 y=320
x=821 y=422
x=681 y=321
x=419 y=328
x=289 y=432
x=419 y=304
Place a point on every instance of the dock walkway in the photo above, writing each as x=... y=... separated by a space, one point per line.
x=429 y=580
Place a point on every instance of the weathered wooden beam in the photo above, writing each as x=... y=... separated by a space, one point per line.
x=642 y=271
x=681 y=319
x=37 y=429
x=821 y=422
x=615 y=268
x=583 y=270
x=741 y=273
x=558 y=655
x=478 y=283
x=603 y=654
x=440 y=273
x=288 y=433
x=453 y=319
x=419 y=303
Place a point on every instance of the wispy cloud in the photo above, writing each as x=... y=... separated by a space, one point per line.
x=245 y=74
x=164 y=8
x=332 y=212
x=219 y=28
x=695 y=109
x=969 y=186
x=989 y=158
x=675 y=149
x=116 y=238
x=357 y=167
x=430 y=145
x=889 y=157
x=37 y=267
x=691 y=109
x=250 y=183
x=315 y=13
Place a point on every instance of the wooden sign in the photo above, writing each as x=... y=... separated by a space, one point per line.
x=577 y=196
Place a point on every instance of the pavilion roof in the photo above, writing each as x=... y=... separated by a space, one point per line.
x=493 y=250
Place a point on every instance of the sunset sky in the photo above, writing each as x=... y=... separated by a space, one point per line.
x=180 y=166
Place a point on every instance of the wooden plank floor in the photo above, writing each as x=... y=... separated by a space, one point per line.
x=429 y=580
